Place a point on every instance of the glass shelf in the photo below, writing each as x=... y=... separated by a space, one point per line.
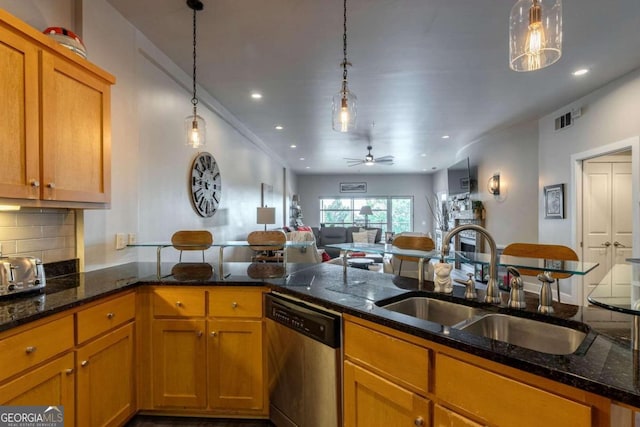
x=628 y=304
x=554 y=266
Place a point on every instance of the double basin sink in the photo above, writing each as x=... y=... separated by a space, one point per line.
x=520 y=331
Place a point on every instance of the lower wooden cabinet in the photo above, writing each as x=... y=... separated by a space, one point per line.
x=370 y=400
x=206 y=351
x=236 y=364
x=50 y=384
x=179 y=363
x=105 y=379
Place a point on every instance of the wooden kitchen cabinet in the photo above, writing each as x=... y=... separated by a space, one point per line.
x=386 y=380
x=50 y=384
x=370 y=401
x=179 y=363
x=56 y=113
x=207 y=350
x=105 y=379
x=443 y=417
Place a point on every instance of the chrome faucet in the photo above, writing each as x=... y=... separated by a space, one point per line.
x=516 y=295
x=493 y=293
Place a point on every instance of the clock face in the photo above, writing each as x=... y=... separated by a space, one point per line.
x=205 y=185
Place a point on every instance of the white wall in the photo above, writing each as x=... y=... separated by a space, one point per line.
x=512 y=152
x=150 y=163
x=313 y=187
x=609 y=115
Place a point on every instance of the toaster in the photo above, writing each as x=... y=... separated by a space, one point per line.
x=21 y=274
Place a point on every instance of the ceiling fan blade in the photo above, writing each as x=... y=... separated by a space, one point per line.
x=349 y=159
x=384 y=158
x=355 y=164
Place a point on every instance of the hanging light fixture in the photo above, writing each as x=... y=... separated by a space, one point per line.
x=535 y=34
x=343 y=117
x=194 y=125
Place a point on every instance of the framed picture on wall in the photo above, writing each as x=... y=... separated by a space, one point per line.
x=554 y=201
x=266 y=195
x=353 y=187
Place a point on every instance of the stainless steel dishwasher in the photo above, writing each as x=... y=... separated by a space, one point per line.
x=304 y=363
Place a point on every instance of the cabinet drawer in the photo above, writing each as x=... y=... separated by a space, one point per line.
x=26 y=349
x=499 y=400
x=178 y=302
x=100 y=318
x=235 y=302
x=398 y=360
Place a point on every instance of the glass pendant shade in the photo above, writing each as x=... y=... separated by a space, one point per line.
x=535 y=34
x=344 y=111
x=195 y=130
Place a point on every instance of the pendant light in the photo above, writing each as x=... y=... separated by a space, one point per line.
x=194 y=125
x=535 y=34
x=344 y=109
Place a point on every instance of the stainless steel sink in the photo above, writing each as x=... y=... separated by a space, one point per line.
x=532 y=334
x=435 y=310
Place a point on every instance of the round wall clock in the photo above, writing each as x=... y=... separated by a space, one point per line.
x=205 y=185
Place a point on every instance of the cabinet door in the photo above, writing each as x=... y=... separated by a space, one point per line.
x=236 y=367
x=19 y=131
x=51 y=384
x=179 y=364
x=370 y=401
x=106 y=379
x=76 y=139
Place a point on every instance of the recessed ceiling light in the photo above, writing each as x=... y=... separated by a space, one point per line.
x=445 y=137
x=308 y=167
x=279 y=127
x=580 y=72
x=301 y=158
x=293 y=146
x=256 y=95
x=423 y=155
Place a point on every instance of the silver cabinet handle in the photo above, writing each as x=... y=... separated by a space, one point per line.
x=418 y=421
x=51 y=185
x=234 y=305
x=110 y=316
x=29 y=350
x=69 y=371
x=84 y=363
x=178 y=304
x=199 y=334
x=214 y=333
x=618 y=244
x=35 y=183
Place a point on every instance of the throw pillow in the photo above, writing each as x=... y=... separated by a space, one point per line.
x=361 y=237
x=371 y=235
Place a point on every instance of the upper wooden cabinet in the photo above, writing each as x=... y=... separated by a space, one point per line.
x=55 y=111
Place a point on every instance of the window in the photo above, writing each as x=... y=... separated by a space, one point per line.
x=389 y=213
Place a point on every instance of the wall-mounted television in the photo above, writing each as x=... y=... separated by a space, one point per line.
x=459 y=178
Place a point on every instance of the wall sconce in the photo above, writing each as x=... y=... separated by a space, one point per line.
x=494 y=185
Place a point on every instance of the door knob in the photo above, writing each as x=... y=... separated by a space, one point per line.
x=618 y=244
x=606 y=244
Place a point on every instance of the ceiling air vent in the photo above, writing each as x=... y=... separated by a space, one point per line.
x=567 y=119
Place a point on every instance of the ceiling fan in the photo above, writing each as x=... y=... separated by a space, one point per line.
x=369 y=160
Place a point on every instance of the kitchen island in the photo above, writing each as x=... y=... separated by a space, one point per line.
x=604 y=370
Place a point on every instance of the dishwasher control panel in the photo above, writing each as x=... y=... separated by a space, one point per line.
x=315 y=323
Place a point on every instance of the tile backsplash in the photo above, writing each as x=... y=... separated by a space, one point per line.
x=48 y=234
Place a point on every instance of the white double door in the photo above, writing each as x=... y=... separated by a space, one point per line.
x=607 y=224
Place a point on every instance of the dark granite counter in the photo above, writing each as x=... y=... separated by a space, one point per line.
x=603 y=365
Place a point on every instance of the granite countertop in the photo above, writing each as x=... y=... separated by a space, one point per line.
x=607 y=366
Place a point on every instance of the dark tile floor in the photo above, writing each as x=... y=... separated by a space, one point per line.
x=149 y=421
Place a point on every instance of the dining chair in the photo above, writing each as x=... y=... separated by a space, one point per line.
x=267 y=241
x=192 y=240
x=420 y=243
x=542 y=251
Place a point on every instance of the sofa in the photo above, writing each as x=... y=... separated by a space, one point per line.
x=333 y=235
